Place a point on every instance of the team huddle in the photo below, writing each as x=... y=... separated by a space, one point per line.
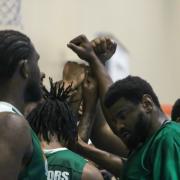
x=84 y=126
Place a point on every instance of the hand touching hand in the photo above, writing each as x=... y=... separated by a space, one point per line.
x=104 y=48
x=74 y=73
x=82 y=47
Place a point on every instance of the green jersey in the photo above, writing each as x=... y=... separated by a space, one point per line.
x=37 y=167
x=158 y=158
x=63 y=164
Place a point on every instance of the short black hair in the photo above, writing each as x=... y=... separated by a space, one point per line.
x=14 y=46
x=175 y=110
x=131 y=88
x=53 y=116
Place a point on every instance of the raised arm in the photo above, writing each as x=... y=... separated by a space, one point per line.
x=112 y=143
x=84 y=49
x=89 y=92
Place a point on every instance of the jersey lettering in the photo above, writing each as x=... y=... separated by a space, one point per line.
x=58 y=175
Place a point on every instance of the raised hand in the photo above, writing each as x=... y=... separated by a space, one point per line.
x=82 y=47
x=74 y=73
x=104 y=48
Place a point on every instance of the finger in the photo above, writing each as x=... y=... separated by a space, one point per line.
x=103 y=45
x=114 y=47
x=93 y=44
x=110 y=43
x=98 y=45
x=74 y=48
x=79 y=39
x=97 y=41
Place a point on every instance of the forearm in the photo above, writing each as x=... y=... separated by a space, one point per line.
x=102 y=76
x=101 y=129
x=104 y=82
x=106 y=160
x=85 y=126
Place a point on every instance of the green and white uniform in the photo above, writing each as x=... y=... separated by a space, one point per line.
x=37 y=167
x=158 y=158
x=63 y=164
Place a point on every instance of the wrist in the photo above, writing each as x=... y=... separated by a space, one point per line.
x=93 y=57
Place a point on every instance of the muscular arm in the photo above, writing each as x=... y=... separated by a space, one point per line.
x=15 y=144
x=85 y=125
x=111 y=143
x=89 y=108
x=103 y=78
x=106 y=160
x=83 y=48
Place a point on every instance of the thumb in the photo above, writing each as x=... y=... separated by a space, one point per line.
x=114 y=47
x=74 y=48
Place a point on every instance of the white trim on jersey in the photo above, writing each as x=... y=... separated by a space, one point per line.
x=51 y=151
x=7 y=107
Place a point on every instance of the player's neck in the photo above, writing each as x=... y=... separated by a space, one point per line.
x=51 y=145
x=13 y=95
x=158 y=119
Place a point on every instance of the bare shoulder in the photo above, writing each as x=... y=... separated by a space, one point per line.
x=15 y=144
x=14 y=128
x=91 y=173
x=12 y=121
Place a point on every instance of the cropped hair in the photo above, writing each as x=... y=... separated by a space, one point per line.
x=175 y=110
x=131 y=88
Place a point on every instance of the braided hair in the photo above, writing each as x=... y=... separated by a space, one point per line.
x=14 y=46
x=53 y=116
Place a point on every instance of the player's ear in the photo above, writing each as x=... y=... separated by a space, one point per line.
x=147 y=103
x=24 y=68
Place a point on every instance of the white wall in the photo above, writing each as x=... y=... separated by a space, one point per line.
x=148 y=28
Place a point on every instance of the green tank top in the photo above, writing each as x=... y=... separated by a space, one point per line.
x=64 y=164
x=37 y=168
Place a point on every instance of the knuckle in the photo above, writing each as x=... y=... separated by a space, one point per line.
x=83 y=36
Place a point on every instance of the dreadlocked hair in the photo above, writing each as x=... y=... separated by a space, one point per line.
x=14 y=46
x=53 y=116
